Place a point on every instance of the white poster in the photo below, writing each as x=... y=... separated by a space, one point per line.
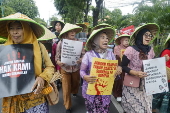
x=71 y=51
x=156 y=80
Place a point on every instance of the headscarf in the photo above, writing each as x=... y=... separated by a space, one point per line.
x=139 y=41
x=119 y=47
x=96 y=45
x=29 y=38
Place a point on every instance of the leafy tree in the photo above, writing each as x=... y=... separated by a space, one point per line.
x=116 y=19
x=6 y=11
x=40 y=21
x=26 y=7
x=71 y=11
x=53 y=18
x=158 y=13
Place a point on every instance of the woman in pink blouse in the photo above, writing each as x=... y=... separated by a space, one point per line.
x=134 y=98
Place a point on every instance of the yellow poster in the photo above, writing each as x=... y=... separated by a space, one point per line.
x=121 y=53
x=104 y=70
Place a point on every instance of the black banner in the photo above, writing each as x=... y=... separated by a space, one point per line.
x=17 y=74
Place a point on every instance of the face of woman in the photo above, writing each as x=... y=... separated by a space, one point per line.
x=147 y=37
x=16 y=32
x=71 y=34
x=103 y=41
x=58 y=27
x=126 y=42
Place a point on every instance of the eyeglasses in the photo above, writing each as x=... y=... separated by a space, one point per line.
x=148 y=35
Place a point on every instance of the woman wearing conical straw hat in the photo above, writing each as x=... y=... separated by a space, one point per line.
x=20 y=29
x=57 y=27
x=161 y=101
x=122 y=42
x=97 y=47
x=134 y=98
x=71 y=76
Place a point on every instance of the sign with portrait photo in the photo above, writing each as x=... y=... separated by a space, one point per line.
x=71 y=51
x=16 y=69
x=156 y=80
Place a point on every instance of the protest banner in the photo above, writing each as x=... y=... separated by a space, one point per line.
x=156 y=80
x=104 y=70
x=71 y=51
x=128 y=30
x=16 y=69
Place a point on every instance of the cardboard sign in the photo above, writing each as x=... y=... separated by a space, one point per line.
x=16 y=69
x=104 y=70
x=156 y=80
x=71 y=51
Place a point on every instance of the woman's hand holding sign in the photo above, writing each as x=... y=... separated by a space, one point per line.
x=79 y=61
x=60 y=63
x=38 y=85
x=167 y=57
x=140 y=74
x=90 y=79
x=118 y=71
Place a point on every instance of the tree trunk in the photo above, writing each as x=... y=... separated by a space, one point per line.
x=87 y=10
x=96 y=11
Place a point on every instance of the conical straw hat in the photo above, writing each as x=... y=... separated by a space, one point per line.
x=84 y=26
x=69 y=27
x=110 y=32
x=103 y=25
x=48 y=35
x=37 y=28
x=117 y=41
x=154 y=29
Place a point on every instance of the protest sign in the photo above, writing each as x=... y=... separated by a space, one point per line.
x=104 y=70
x=156 y=80
x=121 y=53
x=71 y=51
x=16 y=69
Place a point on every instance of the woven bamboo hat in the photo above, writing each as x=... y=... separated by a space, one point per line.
x=68 y=27
x=117 y=41
x=154 y=29
x=103 y=25
x=84 y=26
x=48 y=34
x=110 y=32
x=37 y=28
x=166 y=44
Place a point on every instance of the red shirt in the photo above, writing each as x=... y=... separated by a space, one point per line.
x=166 y=51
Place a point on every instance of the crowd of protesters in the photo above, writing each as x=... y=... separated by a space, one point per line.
x=98 y=42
